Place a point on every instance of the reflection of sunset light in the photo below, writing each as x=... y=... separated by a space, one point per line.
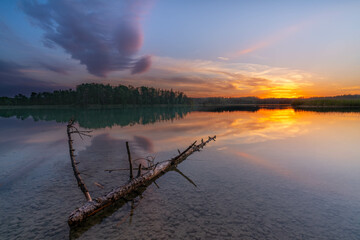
x=239 y=127
x=265 y=163
x=279 y=115
x=266 y=125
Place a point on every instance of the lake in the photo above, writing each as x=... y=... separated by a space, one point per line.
x=273 y=173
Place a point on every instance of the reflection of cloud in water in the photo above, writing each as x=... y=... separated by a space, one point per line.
x=26 y=147
x=285 y=172
x=17 y=133
x=52 y=136
x=145 y=143
x=275 y=168
x=265 y=125
x=262 y=162
x=20 y=172
x=231 y=128
x=108 y=152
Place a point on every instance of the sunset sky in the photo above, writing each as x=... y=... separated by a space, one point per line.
x=203 y=48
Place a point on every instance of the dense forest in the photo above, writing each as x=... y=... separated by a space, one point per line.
x=100 y=94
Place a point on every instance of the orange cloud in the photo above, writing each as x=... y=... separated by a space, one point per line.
x=200 y=78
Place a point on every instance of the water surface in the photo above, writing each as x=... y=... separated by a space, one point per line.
x=271 y=174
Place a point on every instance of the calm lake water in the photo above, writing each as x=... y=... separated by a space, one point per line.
x=271 y=174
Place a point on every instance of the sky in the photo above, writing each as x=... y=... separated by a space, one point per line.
x=205 y=48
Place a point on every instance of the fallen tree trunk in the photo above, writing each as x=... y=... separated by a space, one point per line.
x=71 y=129
x=92 y=207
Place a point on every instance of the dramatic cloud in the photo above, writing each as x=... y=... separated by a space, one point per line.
x=202 y=78
x=103 y=37
x=14 y=81
x=142 y=65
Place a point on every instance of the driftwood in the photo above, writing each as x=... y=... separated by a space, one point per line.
x=93 y=206
x=72 y=129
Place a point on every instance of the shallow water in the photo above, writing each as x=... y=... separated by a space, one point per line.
x=271 y=174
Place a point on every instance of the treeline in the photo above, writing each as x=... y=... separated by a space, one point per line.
x=335 y=101
x=240 y=100
x=346 y=96
x=340 y=100
x=327 y=102
x=100 y=94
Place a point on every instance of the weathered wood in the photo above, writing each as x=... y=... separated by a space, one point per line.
x=124 y=169
x=79 y=180
x=92 y=207
x=139 y=171
x=186 y=177
x=129 y=158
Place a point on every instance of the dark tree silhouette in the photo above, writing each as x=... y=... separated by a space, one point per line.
x=100 y=94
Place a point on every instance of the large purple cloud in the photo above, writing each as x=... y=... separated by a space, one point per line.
x=102 y=35
x=142 y=65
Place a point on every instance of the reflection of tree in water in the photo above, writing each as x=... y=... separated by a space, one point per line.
x=328 y=109
x=107 y=117
x=101 y=118
x=241 y=108
x=230 y=108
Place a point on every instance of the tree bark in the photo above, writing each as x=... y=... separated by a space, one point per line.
x=79 y=180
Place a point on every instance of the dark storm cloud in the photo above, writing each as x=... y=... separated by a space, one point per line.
x=102 y=35
x=13 y=81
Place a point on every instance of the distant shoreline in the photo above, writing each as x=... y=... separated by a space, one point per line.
x=326 y=103
x=92 y=106
x=193 y=106
x=329 y=106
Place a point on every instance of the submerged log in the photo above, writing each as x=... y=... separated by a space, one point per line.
x=92 y=207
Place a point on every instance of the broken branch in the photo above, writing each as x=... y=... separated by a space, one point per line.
x=129 y=157
x=79 y=180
